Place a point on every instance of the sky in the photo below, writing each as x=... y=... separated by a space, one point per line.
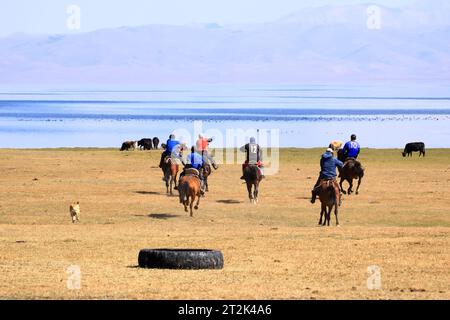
x=50 y=16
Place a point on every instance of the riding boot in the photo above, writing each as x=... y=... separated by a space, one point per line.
x=313 y=196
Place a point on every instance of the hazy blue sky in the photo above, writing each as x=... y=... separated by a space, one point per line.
x=49 y=16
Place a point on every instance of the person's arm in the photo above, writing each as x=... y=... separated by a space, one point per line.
x=243 y=148
x=339 y=163
x=345 y=149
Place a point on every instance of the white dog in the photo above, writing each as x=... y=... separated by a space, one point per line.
x=75 y=212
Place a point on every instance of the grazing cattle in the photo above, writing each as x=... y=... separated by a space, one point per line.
x=189 y=189
x=252 y=177
x=145 y=144
x=414 y=147
x=155 y=142
x=127 y=145
x=352 y=170
x=75 y=212
x=330 y=197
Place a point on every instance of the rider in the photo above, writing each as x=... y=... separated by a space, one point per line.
x=195 y=160
x=172 y=148
x=328 y=164
x=254 y=156
x=351 y=148
x=202 y=147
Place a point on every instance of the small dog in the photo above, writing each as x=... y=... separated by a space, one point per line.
x=75 y=212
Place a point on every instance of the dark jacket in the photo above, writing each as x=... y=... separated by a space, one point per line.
x=328 y=165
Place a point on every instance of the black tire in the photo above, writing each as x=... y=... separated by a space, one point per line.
x=180 y=259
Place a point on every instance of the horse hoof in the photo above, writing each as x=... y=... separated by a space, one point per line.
x=196 y=207
x=338 y=225
x=357 y=192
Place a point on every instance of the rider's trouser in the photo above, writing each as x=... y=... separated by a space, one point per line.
x=207 y=156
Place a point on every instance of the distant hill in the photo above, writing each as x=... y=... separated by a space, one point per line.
x=323 y=44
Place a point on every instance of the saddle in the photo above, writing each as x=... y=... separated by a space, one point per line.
x=191 y=171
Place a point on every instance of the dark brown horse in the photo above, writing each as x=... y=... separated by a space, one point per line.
x=252 y=176
x=352 y=170
x=170 y=169
x=330 y=197
x=206 y=171
x=189 y=190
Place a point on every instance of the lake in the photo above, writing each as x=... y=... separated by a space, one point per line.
x=285 y=116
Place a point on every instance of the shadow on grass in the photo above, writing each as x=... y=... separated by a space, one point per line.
x=229 y=201
x=163 y=216
x=148 y=192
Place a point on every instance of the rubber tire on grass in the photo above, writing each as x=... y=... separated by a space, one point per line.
x=180 y=259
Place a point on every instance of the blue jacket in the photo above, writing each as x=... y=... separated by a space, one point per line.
x=171 y=144
x=196 y=160
x=328 y=165
x=351 y=149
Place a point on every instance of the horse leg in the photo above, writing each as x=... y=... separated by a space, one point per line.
x=321 y=214
x=329 y=215
x=350 y=182
x=175 y=180
x=249 y=189
x=198 y=202
x=340 y=185
x=206 y=184
x=255 y=192
x=186 y=202
x=359 y=183
x=336 y=214
x=191 y=205
x=167 y=184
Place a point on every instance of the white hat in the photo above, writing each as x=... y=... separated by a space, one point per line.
x=329 y=150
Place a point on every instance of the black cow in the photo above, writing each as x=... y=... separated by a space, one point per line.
x=145 y=144
x=155 y=142
x=414 y=147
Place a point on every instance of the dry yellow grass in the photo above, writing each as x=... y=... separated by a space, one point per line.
x=400 y=222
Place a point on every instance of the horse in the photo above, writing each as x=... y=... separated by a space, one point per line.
x=252 y=177
x=206 y=171
x=330 y=197
x=189 y=189
x=170 y=169
x=352 y=170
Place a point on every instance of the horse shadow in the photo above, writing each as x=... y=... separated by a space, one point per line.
x=229 y=201
x=147 y=192
x=162 y=216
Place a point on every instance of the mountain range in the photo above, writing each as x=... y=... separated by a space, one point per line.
x=316 y=45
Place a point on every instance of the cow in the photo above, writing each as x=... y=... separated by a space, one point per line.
x=414 y=147
x=145 y=144
x=127 y=145
x=155 y=142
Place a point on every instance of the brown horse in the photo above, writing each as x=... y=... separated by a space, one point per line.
x=170 y=169
x=330 y=197
x=189 y=190
x=252 y=176
x=352 y=170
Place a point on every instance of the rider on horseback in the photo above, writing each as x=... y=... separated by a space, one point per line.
x=328 y=164
x=172 y=149
x=202 y=147
x=351 y=148
x=254 y=156
x=195 y=160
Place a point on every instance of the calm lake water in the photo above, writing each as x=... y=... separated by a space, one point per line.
x=288 y=116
